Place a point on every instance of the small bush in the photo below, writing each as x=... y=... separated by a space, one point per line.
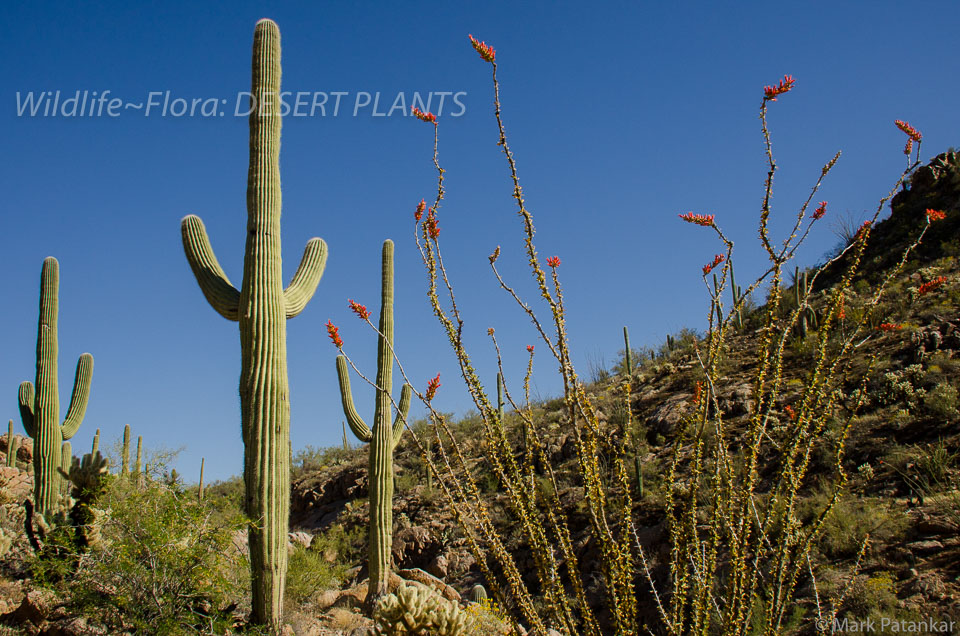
x=166 y=563
x=941 y=401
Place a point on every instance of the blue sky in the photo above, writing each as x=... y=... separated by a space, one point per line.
x=621 y=116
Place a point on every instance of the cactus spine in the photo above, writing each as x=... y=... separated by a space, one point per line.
x=383 y=437
x=125 y=454
x=40 y=402
x=12 y=443
x=262 y=307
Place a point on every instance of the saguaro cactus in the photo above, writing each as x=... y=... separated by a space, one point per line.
x=11 y=447
x=95 y=448
x=40 y=403
x=200 y=487
x=262 y=306
x=125 y=452
x=383 y=437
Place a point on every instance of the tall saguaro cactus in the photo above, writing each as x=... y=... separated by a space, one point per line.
x=382 y=437
x=262 y=306
x=40 y=402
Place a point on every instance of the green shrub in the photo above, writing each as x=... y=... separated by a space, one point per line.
x=309 y=571
x=941 y=401
x=166 y=563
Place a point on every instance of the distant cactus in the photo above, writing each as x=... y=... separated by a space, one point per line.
x=96 y=444
x=40 y=402
x=346 y=442
x=12 y=443
x=200 y=489
x=383 y=438
x=417 y=610
x=478 y=593
x=627 y=355
x=262 y=307
x=138 y=463
x=125 y=453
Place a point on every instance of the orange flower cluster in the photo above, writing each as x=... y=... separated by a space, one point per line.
x=863 y=229
x=432 y=385
x=697 y=390
x=931 y=285
x=485 y=50
x=909 y=130
x=359 y=309
x=334 y=334
x=699 y=219
x=912 y=133
x=430 y=118
x=420 y=208
x=936 y=215
x=553 y=261
x=889 y=326
x=433 y=230
x=841 y=312
x=489 y=331
x=820 y=211
x=529 y=348
x=719 y=258
x=770 y=92
x=790 y=413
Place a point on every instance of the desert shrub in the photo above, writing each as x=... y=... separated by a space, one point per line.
x=311 y=570
x=871 y=596
x=852 y=520
x=941 y=401
x=166 y=563
x=902 y=387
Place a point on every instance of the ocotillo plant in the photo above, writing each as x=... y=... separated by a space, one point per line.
x=11 y=446
x=40 y=402
x=125 y=452
x=382 y=437
x=262 y=307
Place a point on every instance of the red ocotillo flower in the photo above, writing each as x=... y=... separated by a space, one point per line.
x=770 y=92
x=931 y=285
x=889 y=326
x=433 y=230
x=863 y=229
x=529 y=348
x=485 y=50
x=697 y=390
x=359 y=309
x=790 y=412
x=907 y=149
x=490 y=331
x=909 y=130
x=430 y=118
x=333 y=332
x=699 y=219
x=553 y=261
x=420 y=208
x=936 y=215
x=841 y=312
x=432 y=385
x=719 y=258
x=820 y=211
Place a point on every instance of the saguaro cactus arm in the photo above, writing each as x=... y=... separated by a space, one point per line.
x=216 y=287
x=357 y=425
x=25 y=396
x=80 y=396
x=406 y=393
x=300 y=290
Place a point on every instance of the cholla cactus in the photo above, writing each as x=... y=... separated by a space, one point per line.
x=418 y=610
x=89 y=477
